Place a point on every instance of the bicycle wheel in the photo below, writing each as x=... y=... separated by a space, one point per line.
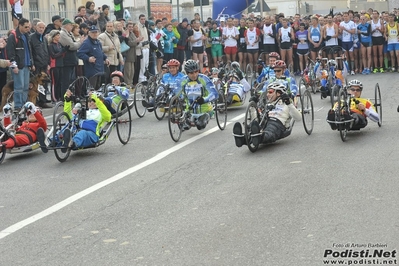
x=58 y=108
x=342 y=109
x=312 y=77
x=307 y=112
x=160 y=103
x=221 y=111
x=378 y=103
x=123 y=122
x=61 y=123
x=175 y=118
x=2 y=153
x=139 y=96
x=251 y=114
x=249 y=71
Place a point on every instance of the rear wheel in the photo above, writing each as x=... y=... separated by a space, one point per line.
x=221 y=110
x=123 y=122
x=249 y=71
x=312 y=77
x=307 y=112
x=61 y=123
x=139 y=96
x=251 y=114
x=175 y=118
x=160 y=103
x=378 y=103
x=58 y=108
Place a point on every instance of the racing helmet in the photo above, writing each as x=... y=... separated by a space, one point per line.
x=173 y=62
x=332 y=62
x=117 y=73
x=355 y=83
x=280 y=64
x=215 y=70
x=277 y=86
x=274 y=54
x=235 y=64
x=191 y=66
x=234 y=75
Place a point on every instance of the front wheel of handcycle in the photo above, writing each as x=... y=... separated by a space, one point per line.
x=251 y=114
x=378 y=103
x=123 y=122
x=139 y=96
x=342 y=109
x=221 y=110
x=61 y=123
x=174 y=119
x=307 y=111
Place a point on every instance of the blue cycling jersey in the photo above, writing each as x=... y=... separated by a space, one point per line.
x=172 y=81
x=287 y=81
x=268 y=72
x=202 y=87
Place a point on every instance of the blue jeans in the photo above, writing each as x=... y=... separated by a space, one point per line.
x=21 y=87
x=85 y=138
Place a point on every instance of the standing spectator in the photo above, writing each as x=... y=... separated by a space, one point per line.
x=92 y=13
x=331 y=33
x=364 y=30
x=182 y=43
x=151 y=58
x=139 y=55
x=90 y=6
x=230 y=36
x=132 y=42
x=377 y=36
x=82 y=14
x=118 y=9
x=3 y=71
x=269 y=37
x=57 y=53
x=347 y=28
x=391 y=35
x=111 y=48
x=285 y=36
x=145 y=50
x=215 y=38
x=301 y=37
x=93 y=57
x=77 y=35
x=70 y=59
x=252 y=41
x=56 y=25
x=175 y=23
x=34 y=24
x=159 y=36
x=242 y=46
x=197 y=39
x=40 y=56
x=18 y=50
x=16 y=11
x=103 y=19
x=83 y=29
x=170 y=41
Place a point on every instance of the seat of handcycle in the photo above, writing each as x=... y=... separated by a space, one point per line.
x=289 y=124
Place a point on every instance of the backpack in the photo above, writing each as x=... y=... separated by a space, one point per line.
x=15 y=35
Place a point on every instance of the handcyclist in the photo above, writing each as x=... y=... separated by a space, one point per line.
x=360 y=109
x=172 y=78
x=267 y=71
x=199 y=90
x=116 y=92
x=282 y=110
x=236 y=91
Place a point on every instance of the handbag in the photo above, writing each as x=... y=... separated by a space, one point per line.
x=124 y=47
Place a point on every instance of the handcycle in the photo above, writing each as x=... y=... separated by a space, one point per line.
x=161 y=104
x=11 y=130
x=145 y=91
x=122 y=120
x=308 y=78
x=259 y=111
x=182 y=113
x=343 y=107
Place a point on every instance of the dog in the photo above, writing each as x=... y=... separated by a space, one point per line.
x=33 y=93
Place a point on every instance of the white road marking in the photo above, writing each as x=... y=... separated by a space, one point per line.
x=19 y=225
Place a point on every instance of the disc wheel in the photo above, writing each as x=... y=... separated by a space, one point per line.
x=342 y=108
x=307 y=111
x=123 y=122
x=221 y=111
x=378 y=103
x=160 y=103
x=62 y=122
x=176 y=118
x=251 y=114
x=139 y=96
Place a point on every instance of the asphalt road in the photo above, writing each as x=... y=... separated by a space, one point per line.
x=203 y=201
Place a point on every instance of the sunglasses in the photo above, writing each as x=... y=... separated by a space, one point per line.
x=357 y=90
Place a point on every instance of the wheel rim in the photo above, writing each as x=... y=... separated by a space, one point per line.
x=139 y=96
x=123 y=122
x=378 y=103
x=60 y=125
x=175 y=123
x=221 y=111
x=307 y=112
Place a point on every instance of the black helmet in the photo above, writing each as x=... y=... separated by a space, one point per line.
x=191 y=66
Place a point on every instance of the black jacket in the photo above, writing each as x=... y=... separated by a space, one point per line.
x=15 y=50
x=39 y=50
x=183 y=35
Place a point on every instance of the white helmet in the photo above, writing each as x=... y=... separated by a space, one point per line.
x=355 y=83
x=277 y=86
x=332 y=62
x=235 y=64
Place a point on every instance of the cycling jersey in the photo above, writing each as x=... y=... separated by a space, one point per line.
x=172 y=81
x=364 y=31
x=289 y=83
x=268 y=72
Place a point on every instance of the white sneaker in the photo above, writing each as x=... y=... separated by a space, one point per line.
x=352 y=73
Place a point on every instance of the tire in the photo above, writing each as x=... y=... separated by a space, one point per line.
x=249 y=71
x=378 y=103
x=342 y=107
x=312 y=77
x=2 y=153
x=176 y=118
x=123 y=122
x=251 y=114
x=221 y=111
x=139 y=95
x=331 y=89
x=61 y=123
x=307 y=112
x=159 y=104
x=58 y=108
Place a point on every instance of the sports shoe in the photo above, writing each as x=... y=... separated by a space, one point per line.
x=382 y=70
x=202 y=121
x=352 y=73
x=255 y=129
x=237 y=131
x=368 y=71
x=41 y=137
x=393 y=69
x=364 y=72
x=236 y=98
x=375 y=70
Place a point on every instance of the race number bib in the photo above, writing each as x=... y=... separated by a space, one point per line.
x=393 y=32
x=285 y=38
x=242 y=40
x=315 y=38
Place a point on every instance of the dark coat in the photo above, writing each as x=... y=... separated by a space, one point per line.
x=90 y=48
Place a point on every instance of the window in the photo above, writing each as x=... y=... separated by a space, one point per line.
x=33 y=9
x=4 y=23
x=62 y=8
